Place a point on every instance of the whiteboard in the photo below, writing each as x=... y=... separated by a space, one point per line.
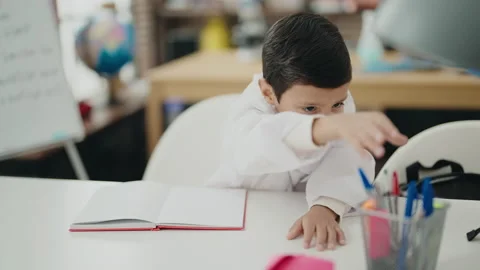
x=37 y=106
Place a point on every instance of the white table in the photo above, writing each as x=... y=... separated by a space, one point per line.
x=35 y=216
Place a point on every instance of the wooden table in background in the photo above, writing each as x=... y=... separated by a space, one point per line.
x=207 y=74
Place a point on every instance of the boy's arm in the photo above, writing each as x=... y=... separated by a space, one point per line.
x=335 y=183
x=274 y=143
x=267 y=144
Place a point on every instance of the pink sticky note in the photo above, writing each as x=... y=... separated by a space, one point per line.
x=296 y=262
x=379 y=237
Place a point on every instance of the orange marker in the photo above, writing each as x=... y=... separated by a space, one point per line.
x=370 y=204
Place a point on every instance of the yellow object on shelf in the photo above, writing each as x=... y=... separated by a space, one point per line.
x=215 y=35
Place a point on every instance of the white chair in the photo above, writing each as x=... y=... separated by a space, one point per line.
x=189 y=151
x=455 y=141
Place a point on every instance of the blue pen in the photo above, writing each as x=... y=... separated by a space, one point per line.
x=411 y=197
x=372 y=193
x=427 y=192
x=366 y=183
x=428 y=207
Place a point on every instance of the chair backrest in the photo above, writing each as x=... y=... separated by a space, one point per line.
x=454 y=141
x=189 y=151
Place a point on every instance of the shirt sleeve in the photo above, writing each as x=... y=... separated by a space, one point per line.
x=337 y=178
x=273 y=143
x=300 y=138
x=338 y=207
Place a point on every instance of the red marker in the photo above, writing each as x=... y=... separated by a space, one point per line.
x=395 y=185
x=395 y=194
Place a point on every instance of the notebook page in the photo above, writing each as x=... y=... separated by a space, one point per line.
x=204 y=207
x=125 y=224
x=136 y=200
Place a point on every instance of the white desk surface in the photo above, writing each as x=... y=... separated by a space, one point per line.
x=36 y=214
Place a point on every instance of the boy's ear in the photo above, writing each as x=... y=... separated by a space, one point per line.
x=267 y=92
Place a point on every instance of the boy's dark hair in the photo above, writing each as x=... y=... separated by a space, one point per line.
x=305 y=49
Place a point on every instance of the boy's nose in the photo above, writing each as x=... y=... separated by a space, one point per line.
x=331 y=110
x=327 y=111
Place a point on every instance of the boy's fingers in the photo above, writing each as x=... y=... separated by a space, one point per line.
x=332 y=237
x=296 y=230
x=383 y=121
x=321 y=238
x=371 y=143
x=395 y=137
x=398 y=139
x=385 y=124
x=308 y=232
x=340 y=236
x=391 y=132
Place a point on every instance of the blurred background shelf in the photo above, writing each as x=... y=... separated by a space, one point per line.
x=194 y=13
x=165 y=33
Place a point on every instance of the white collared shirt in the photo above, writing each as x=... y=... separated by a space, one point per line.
x=266 y=150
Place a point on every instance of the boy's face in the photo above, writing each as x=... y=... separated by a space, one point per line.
x=306 y=99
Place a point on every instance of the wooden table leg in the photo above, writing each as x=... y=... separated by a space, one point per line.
x=154 y=118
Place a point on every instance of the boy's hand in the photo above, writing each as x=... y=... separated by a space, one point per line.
x=364 y=130
x=320 y=222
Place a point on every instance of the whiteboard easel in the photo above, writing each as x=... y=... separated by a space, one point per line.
x=77 y=163
x=37 y=107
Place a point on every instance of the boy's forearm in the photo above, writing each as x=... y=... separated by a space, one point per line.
x=322 y=131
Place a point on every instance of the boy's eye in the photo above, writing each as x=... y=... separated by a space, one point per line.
x=310 y=109
x=338 y=105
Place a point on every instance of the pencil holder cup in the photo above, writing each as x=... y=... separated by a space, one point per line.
x=393 y=242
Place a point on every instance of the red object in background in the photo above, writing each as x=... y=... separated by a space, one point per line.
x=85 y=109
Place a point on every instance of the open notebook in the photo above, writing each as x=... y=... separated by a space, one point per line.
x=146 y=205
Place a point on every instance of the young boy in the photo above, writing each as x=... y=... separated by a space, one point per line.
x=295 y=128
